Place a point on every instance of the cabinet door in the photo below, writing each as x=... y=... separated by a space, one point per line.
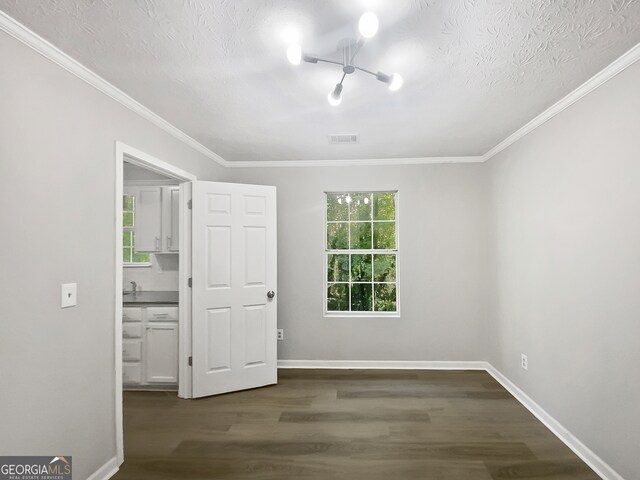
x=174 y=244
x=162 y=353
x=147 y=218
x=171 y=218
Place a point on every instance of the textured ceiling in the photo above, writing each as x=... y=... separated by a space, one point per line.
x=475 y=70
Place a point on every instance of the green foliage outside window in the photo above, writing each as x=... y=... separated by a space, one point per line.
x=129 y=255
x=361 y=248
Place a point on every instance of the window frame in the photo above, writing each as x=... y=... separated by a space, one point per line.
x=132 y=230
x=326 y=253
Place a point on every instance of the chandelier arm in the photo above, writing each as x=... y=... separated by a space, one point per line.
x=328 y=61
x=366 y=71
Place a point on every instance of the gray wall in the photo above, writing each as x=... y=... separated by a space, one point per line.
x=566 y=242
x=57 y=168
x=443 y=263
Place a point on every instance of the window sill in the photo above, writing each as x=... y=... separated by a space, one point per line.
x=136 y=265
x=361 y=315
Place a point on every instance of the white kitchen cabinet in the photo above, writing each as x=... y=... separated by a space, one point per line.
x=131 y=373
x=150 y=346
x=147 y=218
x=170 y=219
x=156 y=218
x=161 y=359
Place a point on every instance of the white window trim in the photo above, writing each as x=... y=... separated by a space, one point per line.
x=132 y=230
x=325 y=283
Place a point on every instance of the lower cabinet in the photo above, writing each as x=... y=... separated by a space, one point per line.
x=150 y=346
x=161 y=359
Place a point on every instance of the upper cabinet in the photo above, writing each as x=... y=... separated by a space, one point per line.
x=156 y=222
x=170 y=218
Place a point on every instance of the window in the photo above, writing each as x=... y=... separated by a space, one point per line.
x=361 y=253
x=129 y=255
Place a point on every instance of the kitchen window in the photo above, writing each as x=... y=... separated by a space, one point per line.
x=129 y=255
x=361 y=254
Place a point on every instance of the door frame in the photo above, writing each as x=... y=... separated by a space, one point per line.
x=137 y=157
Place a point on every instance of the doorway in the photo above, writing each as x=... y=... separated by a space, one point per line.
x=145 y=333
x=227 y=262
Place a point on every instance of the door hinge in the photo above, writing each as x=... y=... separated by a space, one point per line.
x=191 y=361
x=190 y=282
x=190 y=204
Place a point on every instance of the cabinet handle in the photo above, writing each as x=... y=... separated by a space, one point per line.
x=157 y=243
x=160 y=314
x=168 y=242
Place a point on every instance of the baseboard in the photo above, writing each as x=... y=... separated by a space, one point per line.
x=106 y=471
x=382 y=364
x=580 y=449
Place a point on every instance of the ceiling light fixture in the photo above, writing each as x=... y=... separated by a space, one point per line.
x=349 y=48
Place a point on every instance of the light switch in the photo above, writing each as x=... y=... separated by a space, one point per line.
x=69 y=295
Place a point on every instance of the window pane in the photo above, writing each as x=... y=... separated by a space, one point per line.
x=126 y=255
x=338 y=297
x=360 y=268
x=337 y=236
x=127 y=219
x=338 y=268
x=385 y=297
x=361 y=297
x=360 y=206
x=360 y=235
x=384 y=206
x=127 y=203
x=127 y=237
x=337 y=207
x=141 y=258
x=384 y=235
x=384 y=268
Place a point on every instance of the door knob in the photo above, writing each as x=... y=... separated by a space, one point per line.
x=271 y=294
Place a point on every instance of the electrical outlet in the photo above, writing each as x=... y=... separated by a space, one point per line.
x=280 y=334
x=524 y=361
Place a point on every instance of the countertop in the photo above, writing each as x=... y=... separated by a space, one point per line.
x=149 y=298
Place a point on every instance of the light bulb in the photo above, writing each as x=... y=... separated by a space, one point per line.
x=348 y=198
x=340 y=200
x=294 y=54
x=368 y=24
x=334 y=101
x=366 y=200
x=396 y=82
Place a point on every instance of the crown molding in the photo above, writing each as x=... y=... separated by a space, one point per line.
x=627 y=59
x=359 y=162
x=57 y=56
x=53 y=53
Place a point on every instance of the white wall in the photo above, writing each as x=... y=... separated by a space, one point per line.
x=162 y=275
x=566 y=239
x=443 y=263
x=57 y=168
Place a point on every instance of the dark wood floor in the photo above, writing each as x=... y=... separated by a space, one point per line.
x=345 y=424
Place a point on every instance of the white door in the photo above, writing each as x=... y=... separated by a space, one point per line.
x=233 y=291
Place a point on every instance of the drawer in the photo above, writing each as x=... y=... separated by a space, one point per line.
x=131 y=330
x=131 y=350
x=132 y=372
x=162 y=314
x=131 y=314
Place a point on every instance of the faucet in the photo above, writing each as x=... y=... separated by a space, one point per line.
x=134 y=286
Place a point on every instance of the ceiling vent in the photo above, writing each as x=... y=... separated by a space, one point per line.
x=344 y=138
